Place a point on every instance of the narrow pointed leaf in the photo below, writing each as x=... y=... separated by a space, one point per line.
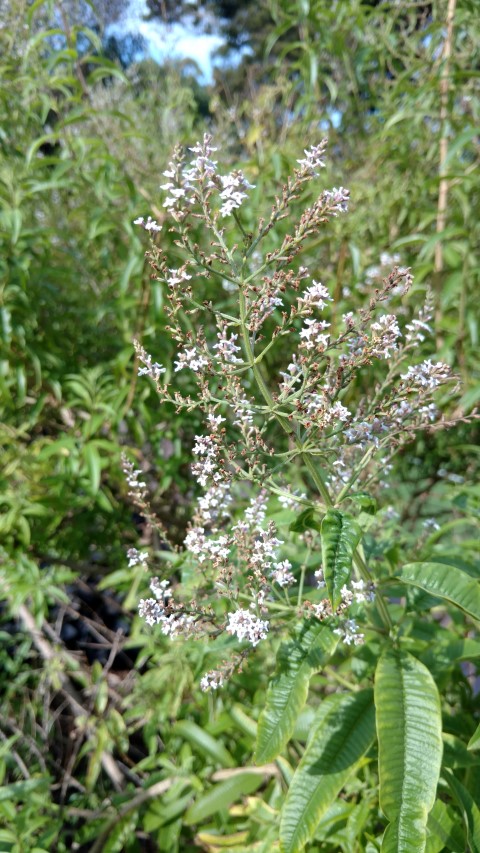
x=340 y=536
x=221 y=796
x=344 y=731
x=445 y=582
x=287 y=693
x=474 y=742
x=444 y=830
x=307 y=520
x=94 y=466
x=469 y=809
x=203 y=742
x=456 y=753
x=409 y=728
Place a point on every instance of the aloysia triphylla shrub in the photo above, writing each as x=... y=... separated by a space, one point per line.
x=341 y=448
x=286 y=463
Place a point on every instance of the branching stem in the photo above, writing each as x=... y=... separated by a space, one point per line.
x=306 y=456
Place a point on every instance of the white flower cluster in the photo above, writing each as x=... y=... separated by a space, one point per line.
x=206 y=448
x=202 y=164
x=150 y=610
x=246 y=626
x=176 y=625
x=266 y=306
x=136 y=558
x=149 y=225
x=243 y=412
x=150 y=368
x=427 y=374
x=227 y=348
x=281 y=573
x=337 y=199
x=254 y=515
x=161 y=589
x=362 y=433
x=191 y=358
x=415 y=331
x=186 y=185
x=176 y=277
x=212 y=680
x=386 y=333
x=313 y=161
x=233 y=192
x=360 y=592
x=256 y=512
x=176 y=193
x=315 y=296
x=215 y=502
x=322 y=609
x=340 y=476
x=137 y=486
x=292 y=375
x=403 y=410
x=316 y=406
x=431 y=524
x=429 y=412
x=419 y=327
x=338 y=412
x=154 y=610
x=265 y=548
x=181 y=183
x=349 y=633
x=312 y=335
x=205 y=547
x=347 y=629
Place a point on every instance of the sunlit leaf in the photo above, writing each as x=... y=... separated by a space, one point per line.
x=340 y=536
x=222 y=795
x=204 y=742
x=409 y=728
x=288 y=689
x=470 y=810
x=446 y=582
x=343 y=732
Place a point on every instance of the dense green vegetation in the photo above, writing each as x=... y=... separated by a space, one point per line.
x=107 y=742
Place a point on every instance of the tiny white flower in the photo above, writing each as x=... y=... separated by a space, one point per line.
x=246 y=626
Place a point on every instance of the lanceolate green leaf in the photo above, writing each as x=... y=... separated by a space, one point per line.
x=203 y=742
x=287 y=693
x=409 y=728
x=340 y=536
x=344 y=730
x=307 y=520
x=445 y=830
x=469 y=809
x=221 y=796
x=445 y=582
x=474 y=742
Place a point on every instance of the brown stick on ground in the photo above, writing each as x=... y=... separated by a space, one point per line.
x=72 y=696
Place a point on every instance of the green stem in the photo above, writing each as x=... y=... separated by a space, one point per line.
x=332 y=673
x=283 y=421
x=272 y=605
x=309 y=464
x=303 y=571
x=379 y=600
x=358 y=470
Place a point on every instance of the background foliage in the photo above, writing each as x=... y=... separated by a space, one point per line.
x=106 y=741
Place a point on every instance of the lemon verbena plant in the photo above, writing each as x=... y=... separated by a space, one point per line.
x=304 y=408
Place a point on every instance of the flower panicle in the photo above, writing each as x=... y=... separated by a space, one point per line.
x=274 y=381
